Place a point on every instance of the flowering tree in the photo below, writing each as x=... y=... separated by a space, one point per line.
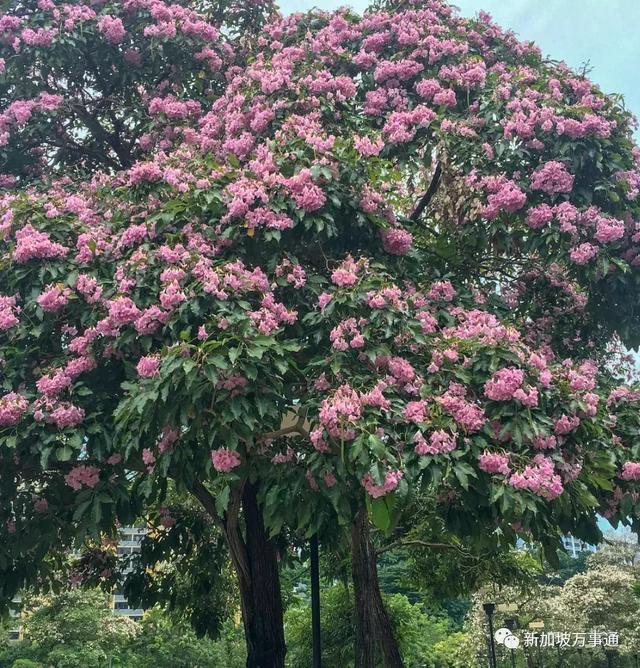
x=81 y=87
x=391 y=253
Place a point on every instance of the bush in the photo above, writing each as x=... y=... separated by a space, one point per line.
x=417 y=632
x=25 y=663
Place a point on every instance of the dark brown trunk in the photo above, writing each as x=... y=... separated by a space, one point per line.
x=260 y=591
x=255 y=562
x=373 y=627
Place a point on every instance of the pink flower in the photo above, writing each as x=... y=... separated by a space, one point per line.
x=347 y=272
x=630 y=471
x=583 y=253
x=149 y=366
x=12 y=408
x=552 y=178
x=415 y=411
x=366 y=147
x=66 y=415
x=468 y=415
x=112 y=28
x=53 y=298
x=440 y=442
x=539 y=216
x=401 y=370
x=32 y=244
x=609 y=229
x=565 y=424
x=324 y=299
x=8 y=311
x=88 y=287
x=504 y=383
x=494 y=462
x=225 y=460
x=396 y=241
x=441 y=290
x=87 y=476
x=391 y=481
x=539 y=478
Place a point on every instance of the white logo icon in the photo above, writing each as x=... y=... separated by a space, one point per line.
x=504 y=637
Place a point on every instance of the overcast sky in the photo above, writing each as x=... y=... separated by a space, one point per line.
x=602 y=32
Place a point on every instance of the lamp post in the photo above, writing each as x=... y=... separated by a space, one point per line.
x=315 y=602
x=489 y=609
x=511 y=625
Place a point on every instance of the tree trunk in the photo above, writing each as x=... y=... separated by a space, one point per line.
x=373 y=628
x=255 y=562
x=261 y=597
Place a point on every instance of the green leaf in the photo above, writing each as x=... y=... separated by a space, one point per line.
x=64 y=453
x=222 y=500
x=379 y=513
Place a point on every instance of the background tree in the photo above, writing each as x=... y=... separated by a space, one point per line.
x=76 y=628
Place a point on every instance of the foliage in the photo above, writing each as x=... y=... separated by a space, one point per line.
x=75 y=628
x=358 y=260
x=416 y=632
x=165 y=643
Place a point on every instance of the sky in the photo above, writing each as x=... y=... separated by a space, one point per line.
x=602 y=33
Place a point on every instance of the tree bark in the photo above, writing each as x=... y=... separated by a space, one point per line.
x=255 y=561
x=373 y=627
x=261 y=597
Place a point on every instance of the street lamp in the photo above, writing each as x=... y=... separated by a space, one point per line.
x=511 y=625
x=489 y=609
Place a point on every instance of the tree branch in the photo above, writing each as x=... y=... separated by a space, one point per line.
x=208 y=503
x=428 y=196
x=416 y=543
x=297 y=428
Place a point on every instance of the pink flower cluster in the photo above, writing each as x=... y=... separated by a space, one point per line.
x=552 y=178
x=539 y=478
x=112 y=28
x=340 y=411
x=8 y=311
x=54 y=298
x=149 y=366
x=440 y=442
x=346 y=274
x=468 y=415
x=506 y=384
x=12 y=408
x=504 y=195
x=396 y=241
x=630 y=471
x=494 y=462
x=32 y=244
x=225 y=460
x=173 y=108
x=271 y=315
x=565 y=424
x=347 y=334
x=391 y=481
x=87 y=476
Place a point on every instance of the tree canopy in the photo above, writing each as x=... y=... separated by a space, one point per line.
x=345 y=259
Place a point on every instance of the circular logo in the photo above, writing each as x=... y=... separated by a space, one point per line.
x=504 y=637
x=501 y=634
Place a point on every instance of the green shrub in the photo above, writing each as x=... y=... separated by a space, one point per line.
x=417 y=632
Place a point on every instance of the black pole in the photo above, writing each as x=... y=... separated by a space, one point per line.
x=511 y=625
x=315 y=602
x=489 y=608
